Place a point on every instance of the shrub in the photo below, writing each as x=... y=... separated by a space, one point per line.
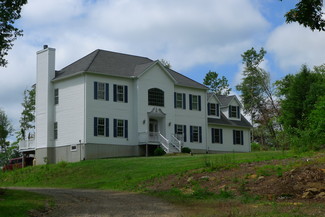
x=255 y=146
x=159 y=152
x=186 y=150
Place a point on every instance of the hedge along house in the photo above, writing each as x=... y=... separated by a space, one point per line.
x=109 y=104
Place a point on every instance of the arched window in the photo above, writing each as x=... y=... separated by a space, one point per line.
x=156 y=97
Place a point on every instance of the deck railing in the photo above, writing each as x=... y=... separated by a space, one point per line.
x=27 y=144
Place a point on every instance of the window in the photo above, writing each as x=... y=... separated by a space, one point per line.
x=101 y=126
x=234 y=111
x=55 y=130
x=238 y=137
x=195 y=102
x=156 y=97
x=196 y=134
x=101 y=91
x=180 y=132
x=179 y=100
x=120 y=93
x=213 y=109
x=120 y=128
x=216 y=135
x=73 y=148
x=56 y=96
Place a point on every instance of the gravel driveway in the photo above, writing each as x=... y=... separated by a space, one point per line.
x=100 y=203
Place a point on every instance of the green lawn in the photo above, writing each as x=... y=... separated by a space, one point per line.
x=19 y=203
x=129 y=174
x=124 y=173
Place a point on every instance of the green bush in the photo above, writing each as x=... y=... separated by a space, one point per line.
x=159 y=152
x=256 y=147
x=186 y=150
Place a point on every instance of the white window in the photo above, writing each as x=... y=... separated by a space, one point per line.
x=56 y=96
x=101 y=126
x=238 y=137
x=100 y=90
x=55 y=130
x=216 y=135
x=179 y=100
x=120 y=93
x=195 y=134
x=120 y=128
x=156 y=97
x=195 y=102
x=234 y=111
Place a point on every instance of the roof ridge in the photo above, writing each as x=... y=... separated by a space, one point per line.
x=91 y=62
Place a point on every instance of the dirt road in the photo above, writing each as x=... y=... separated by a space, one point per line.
x=102 y=203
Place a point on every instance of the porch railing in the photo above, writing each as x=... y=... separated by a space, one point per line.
x=27 y=144
x=176 y=143
x=164 y=142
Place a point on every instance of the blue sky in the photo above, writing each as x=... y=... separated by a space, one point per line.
x=195 y=36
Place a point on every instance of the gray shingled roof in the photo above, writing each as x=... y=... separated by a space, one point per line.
x=118 y=64
x=225 y=100
x=224 y=121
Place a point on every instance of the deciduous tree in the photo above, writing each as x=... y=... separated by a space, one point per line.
x=9 y=13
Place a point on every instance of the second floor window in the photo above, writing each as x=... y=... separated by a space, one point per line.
x=195 y=102
x=120 y=93
x=234 y=111
x=101 y=91
x=156 y=97
x=55 y=130
x=179 y=100
x=56 y=96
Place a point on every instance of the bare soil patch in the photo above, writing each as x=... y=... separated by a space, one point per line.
x=281 y=180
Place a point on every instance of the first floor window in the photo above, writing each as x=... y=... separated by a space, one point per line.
x=238 y=137
x=55 y=130
x=180 y=132
x=195 y=134
x=216 y=135
x=101 y=126
x=120 y=128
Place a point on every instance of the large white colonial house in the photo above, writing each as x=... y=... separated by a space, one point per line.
x=109 y=104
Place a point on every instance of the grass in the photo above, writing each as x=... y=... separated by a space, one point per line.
x=130 y=174
x=125 y=174
x=15 y=203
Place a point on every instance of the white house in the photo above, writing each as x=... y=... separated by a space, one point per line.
x=109 y=104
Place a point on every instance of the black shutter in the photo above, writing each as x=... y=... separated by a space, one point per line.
x=107 y=91
x=107 y=127
x=95 y=126
x=209 y=108
x=199 y=99
x=200 y=134
x=175 y=96
x=95 y=90
x=213 y=135
x=238 y=112
x=184 y=101
x=175 y=131
x=234 y=137
x=229 y=111
x=125 y=93
x=114 y=92
x=191 y=134
x=241 y=137
x=221 y=137
x=218 y=112
x=115 y=127
x=126 y=129
x=190 y=99
x=184 y=133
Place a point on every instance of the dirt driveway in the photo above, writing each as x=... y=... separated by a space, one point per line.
x=100 y=203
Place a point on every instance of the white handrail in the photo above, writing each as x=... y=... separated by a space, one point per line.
x=176 y=143
x=164 y=142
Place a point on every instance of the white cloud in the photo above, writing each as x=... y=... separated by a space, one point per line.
x=293 y=45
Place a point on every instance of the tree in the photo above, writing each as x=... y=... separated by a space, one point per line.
x=166 y=63
x=9 y=13
x=5 y=130
x=257 y=95
x=27 y=118
x=307 y=13
x=217 y=85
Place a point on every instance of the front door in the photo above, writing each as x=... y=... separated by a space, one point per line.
x=153 y=130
